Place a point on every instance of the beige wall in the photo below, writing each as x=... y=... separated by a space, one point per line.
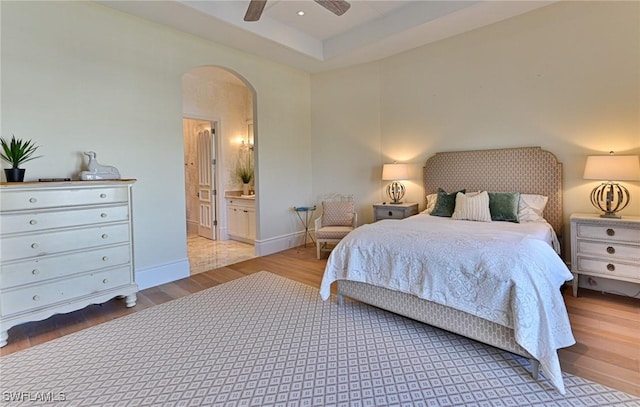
x=565 y=77
x=79 y=76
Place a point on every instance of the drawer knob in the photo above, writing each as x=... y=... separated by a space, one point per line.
x=36 y=298
x=611 y=250
x=105 y=281
x=105 y=236
x=35 y=272
x=103 y=215
x=611 y=232
x=105 y=258
x=611 y=267
x=33 y=200
x=103 y=195
x=34 y=245
x=33 y=222
x=390 y=213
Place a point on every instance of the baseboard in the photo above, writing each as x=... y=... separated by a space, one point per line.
x=280 y=243
x=164 y=273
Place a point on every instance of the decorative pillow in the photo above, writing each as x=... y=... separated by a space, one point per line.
x=431 y=203
x=504 y=206
x=337 y=213
x=531 y=207
x=445 y=203
x=472 y=208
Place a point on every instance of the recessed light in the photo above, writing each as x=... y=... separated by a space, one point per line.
x=300 y=13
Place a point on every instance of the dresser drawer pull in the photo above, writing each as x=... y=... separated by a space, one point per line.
x=103 y=195
x=35 y=272
x=103 y=215
x=611 y=250
x=390 y=213
x=34 y=245
x=611 y=232
x=611 y=267
x=105 y=258
x=36 y=298
x=33 y=222
x=33 y=200
x=105 y=236
x=105 y=281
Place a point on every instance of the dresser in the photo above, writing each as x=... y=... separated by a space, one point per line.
x=63 y=245
x=394 y=211
x=605 y=247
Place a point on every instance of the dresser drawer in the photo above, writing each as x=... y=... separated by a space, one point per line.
x=23 y=247
x=46 y=268
x=36 y=199
x=608 y=233
x=610 y=250
x=17 y=222
x=610 y=269
x=56 y=291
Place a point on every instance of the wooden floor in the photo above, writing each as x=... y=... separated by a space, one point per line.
x=606 y=327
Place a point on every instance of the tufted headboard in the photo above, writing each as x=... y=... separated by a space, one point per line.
x=529 y=170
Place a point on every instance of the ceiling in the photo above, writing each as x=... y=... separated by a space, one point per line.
x=319 y=40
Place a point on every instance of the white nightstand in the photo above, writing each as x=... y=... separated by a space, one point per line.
x=604 y=247
x=394 y=211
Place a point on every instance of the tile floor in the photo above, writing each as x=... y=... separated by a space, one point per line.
x=205 y=254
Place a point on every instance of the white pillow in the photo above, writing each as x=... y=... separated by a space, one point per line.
x=472 y=208
x=431 y=203
x=530 y=207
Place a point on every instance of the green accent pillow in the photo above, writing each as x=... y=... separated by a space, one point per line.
x=504 y=206
x=445 y=203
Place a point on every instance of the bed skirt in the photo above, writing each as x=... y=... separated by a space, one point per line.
x=436 y=315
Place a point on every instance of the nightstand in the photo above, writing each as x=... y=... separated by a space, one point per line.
x=605 y=247
x=394 y=211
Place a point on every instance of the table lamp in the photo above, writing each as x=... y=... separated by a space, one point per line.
x=611 y=197
x=395 y=172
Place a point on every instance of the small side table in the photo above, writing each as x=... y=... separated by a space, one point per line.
x=305 y=220
x=394 y=211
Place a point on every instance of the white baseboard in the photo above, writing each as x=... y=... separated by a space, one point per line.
x=280 y=243
x=164 y=273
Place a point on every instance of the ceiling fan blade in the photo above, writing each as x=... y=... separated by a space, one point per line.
x=254 y=11
x=337 y=7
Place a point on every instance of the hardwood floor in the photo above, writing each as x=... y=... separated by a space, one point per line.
x=606 y=327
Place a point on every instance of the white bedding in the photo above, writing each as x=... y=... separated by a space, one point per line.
x=505 y=272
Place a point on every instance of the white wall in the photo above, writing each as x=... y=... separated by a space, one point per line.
x=565 y=77
x=79 y=76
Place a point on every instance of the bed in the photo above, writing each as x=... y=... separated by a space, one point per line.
x=503 y=287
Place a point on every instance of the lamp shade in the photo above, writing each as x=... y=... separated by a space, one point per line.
x=612 y=168
x=395 y=172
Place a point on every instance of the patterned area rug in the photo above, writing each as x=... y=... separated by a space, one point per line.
x=264 y=340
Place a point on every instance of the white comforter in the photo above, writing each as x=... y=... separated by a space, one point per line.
x=496 y=271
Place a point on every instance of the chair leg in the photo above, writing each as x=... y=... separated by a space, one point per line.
x=318 y=248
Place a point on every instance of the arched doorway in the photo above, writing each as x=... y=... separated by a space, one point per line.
x=217 y=104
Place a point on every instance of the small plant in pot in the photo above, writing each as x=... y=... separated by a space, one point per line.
x=17 y=152
x=245 y=173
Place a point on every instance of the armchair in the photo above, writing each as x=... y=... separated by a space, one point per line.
x=337 y=220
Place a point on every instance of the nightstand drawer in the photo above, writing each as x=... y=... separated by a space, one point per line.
x=389 y=213
x=609 y=269
x=608 y=233
x=610 y=250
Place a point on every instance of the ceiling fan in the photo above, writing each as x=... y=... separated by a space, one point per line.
x=337 y=7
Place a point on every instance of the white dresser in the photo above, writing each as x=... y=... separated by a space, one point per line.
x=605 y=247
x=64 y=245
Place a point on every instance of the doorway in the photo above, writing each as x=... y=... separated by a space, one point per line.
x=217 y=105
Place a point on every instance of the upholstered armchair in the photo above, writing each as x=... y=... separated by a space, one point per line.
x=337 y=220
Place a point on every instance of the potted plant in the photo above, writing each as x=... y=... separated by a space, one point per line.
x=245 y=173
x=16 y=152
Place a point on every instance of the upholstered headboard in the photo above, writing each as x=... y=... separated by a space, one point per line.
x=529 y=170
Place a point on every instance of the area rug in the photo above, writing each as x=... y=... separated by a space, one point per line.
x=264 y=340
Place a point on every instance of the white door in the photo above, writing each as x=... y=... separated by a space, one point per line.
x=206 y=181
